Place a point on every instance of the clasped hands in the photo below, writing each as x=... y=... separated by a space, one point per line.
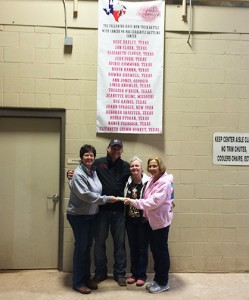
x=116 y=199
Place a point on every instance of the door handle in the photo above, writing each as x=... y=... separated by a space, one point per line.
x=55 y=198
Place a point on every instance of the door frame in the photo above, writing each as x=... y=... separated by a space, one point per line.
x=60 y=114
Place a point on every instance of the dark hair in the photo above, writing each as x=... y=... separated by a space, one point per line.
x=87 y=148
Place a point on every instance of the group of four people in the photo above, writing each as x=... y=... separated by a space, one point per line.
x=98 y=191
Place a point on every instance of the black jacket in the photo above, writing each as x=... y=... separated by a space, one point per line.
x=113 y=176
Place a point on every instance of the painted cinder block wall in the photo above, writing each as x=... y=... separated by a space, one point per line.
x=206 y=90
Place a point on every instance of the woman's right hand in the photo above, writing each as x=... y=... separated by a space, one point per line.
x=113 y=199
x=127 y=201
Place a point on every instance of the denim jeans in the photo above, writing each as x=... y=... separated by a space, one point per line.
x=137 y=233
x=159 y=248
x=82 y=226
x=115 y=222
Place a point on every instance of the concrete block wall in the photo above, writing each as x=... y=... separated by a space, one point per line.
x=205 y=91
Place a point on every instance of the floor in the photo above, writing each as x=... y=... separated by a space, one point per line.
x=54 y=285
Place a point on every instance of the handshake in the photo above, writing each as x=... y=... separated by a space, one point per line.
x=116 y=199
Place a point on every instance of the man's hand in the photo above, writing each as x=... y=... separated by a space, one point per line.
x=70 y=174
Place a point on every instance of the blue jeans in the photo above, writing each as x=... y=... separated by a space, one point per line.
x=115 y=221
x=137 y=233
x=159 y=248
x=82 y=226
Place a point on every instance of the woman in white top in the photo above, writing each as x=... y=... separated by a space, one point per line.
x=136 y=225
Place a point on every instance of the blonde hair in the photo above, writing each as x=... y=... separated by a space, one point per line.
x=160 y=163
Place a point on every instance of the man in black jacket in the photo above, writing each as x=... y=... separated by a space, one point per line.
x=113 y=173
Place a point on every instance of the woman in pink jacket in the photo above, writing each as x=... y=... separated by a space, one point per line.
x=157 y=204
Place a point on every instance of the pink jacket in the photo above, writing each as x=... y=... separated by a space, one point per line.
x=157 y=202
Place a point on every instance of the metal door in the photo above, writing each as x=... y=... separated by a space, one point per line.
x=29 y=189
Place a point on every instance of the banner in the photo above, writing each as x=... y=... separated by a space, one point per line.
x=130 y=67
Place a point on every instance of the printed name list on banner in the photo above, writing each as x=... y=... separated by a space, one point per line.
x=130 y=67
x=231 y=148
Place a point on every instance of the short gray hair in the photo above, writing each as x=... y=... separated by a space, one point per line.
x=136 y=158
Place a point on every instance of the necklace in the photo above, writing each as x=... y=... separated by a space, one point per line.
x=134 y=187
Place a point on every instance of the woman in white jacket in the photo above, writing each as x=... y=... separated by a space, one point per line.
x=157 y=204
x=136 y=225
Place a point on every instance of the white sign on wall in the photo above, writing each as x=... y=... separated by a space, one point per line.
x=230 y=148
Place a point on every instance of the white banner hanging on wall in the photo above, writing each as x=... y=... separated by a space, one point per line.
x=230 y=148
x=130 y=67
